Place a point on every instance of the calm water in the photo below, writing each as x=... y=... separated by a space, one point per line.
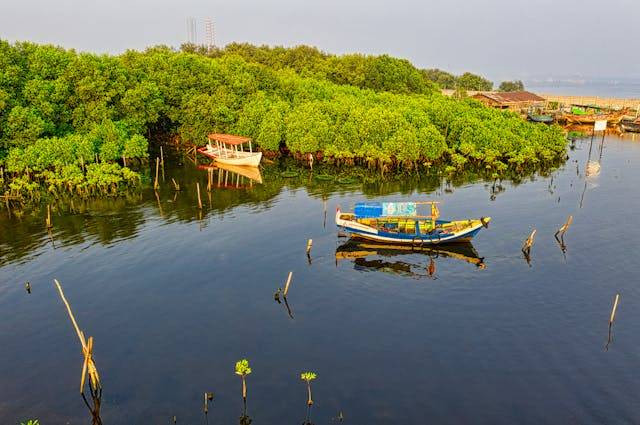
x=624 y=88
x=174 y=296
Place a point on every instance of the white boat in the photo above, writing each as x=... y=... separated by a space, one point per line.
x=228 y=149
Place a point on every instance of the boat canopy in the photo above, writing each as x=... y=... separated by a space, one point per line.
x=385 y=209
x=228 y=139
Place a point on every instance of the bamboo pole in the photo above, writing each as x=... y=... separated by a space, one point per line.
x=175 y=184
x=562 y=230
x=48 y=221
x=613 y=310
x=87 y=347
x=309 y=245
x=528 y=243
x=161 y=155
x=286 y=286
x=156 y=184
x=199 y=199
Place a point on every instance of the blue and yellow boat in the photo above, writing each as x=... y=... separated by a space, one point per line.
x=400 y=223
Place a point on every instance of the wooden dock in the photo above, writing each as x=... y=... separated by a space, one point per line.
x=602 y=102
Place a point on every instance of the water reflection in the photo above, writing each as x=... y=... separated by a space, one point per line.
x=105 y=221
x=366 y=257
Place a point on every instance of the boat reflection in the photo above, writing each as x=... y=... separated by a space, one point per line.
x=363 y=255
x=232 y=176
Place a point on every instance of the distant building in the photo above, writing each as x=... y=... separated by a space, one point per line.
x=509 y=100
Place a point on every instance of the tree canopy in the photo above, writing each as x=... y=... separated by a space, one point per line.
x=61 y=110
x=515 y=85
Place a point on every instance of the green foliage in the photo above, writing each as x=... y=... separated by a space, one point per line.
x=61 y=111
x=30 y=422
x=469 y=81
x=242 y=367
x=308 y=376
x=515 y=85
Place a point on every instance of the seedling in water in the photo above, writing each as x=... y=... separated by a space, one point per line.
x=243 y=369
x=308 y=377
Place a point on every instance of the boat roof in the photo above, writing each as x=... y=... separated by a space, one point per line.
x=229 y=139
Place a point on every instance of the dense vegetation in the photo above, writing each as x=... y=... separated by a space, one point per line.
x=380 y=73
x=515 y=85
x=67 y=120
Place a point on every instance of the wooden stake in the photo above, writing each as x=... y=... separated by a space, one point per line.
x=199 y=199
x=87 y=347
x=528 y=243
x=562 y=230
x=124 y=161
x=613 y=311
x=161 y=155
x=309 y=245
x=48 y=221
x=156 y=184
x=286 y=285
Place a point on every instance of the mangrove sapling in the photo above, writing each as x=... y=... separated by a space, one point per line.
x=243 y=370
x=308 y=377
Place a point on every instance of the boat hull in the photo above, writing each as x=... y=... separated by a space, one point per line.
x=468 y=230
x=612 y=119
x=630 y=126
x=247 y=159
x=546 y=119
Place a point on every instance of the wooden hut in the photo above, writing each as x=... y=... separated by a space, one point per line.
x=510 y=100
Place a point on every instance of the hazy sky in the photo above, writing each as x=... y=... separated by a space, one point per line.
x=498 y=38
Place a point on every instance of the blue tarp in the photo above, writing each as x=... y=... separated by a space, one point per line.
x=385 y=209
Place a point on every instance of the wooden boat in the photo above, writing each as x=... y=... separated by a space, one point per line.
x=630 y=125
x=612 y=118
x=399 y=223
x=228 y=149
x=546 y=119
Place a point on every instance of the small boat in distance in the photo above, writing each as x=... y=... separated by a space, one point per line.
x=546 y=119
x=630 y=125
x=228 y=149
x=399 y=223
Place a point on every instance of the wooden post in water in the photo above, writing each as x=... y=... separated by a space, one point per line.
x=613 y=310
x=199 y=199
x=286 y=285
x=309 y=245
x=156 y=184
x=528 y=243
x=209 y=179
x=161 y=155
x=48 y=221
x=562 y=230
x=88 y=366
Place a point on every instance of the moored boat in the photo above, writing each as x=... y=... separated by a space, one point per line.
x=632 y=125
x=546 y=119
x=228 y=149
x=399 y=223
x=612 y=118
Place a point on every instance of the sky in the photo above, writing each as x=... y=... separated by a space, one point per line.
x=501 y=39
